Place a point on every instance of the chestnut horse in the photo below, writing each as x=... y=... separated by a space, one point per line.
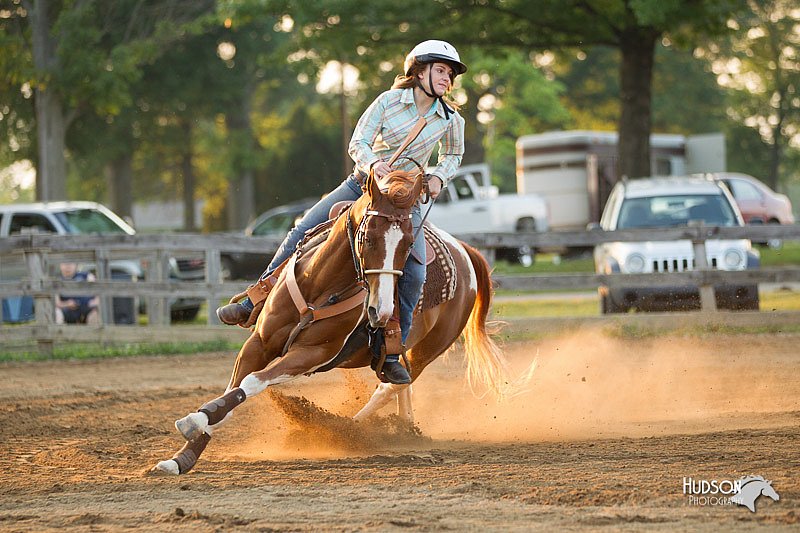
x=369 y=241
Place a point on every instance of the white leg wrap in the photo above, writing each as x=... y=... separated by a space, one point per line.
x=405 y=409
x=252 y=385
x=382 y=395
x=167 y=467
x=192 y=425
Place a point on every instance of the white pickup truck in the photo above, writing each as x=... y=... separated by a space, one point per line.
x=471 y=204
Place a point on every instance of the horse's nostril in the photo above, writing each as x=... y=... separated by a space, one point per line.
x=372 y=313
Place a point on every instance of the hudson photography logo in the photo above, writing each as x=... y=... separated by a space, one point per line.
x=744 y=491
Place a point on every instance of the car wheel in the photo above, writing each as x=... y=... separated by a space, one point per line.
x=609 y=307
x=525 y=255
x=226 y=268
x=747 y=299
x=775 y=244
x=185 y=315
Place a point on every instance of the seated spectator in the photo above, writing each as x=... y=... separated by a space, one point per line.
x=76 y=309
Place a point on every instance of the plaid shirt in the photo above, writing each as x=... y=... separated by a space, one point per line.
x=385 y=124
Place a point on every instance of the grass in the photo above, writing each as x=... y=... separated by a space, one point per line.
x=787 y=255
x=94 y=351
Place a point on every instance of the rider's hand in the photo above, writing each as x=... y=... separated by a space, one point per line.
x=381 y=168
x=434 y=185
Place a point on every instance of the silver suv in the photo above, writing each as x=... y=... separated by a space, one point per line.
x=77 y=218
x=666 y=202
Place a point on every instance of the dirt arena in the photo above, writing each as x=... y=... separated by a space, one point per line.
x=602 y=438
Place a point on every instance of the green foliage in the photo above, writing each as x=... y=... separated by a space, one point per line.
x=509 y=97
x=144 y=80
x=759 y=67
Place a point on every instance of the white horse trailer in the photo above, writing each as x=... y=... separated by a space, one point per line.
x=575 y=170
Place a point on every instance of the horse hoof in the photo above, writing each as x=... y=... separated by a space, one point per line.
x=192 y=426
x=166 y=467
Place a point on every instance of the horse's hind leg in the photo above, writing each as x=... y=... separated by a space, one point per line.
x=405 y=409
x=382 y=395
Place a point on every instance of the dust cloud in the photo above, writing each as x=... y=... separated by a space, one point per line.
x=587 y=385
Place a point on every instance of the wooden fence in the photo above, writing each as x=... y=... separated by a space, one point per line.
x=39 y=255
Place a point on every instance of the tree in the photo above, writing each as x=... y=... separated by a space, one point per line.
x=634 y=27
x=84 y=55
x=513 y=98
x=760 y=66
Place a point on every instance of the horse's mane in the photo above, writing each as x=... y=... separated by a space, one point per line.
x=398 y=188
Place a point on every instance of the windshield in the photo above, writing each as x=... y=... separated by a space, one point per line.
x=665 y=211
x=83 y=221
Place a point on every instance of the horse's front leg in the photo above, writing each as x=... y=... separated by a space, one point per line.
x=298 y=361
x=252 y=357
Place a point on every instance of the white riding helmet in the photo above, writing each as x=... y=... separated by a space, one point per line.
x=432 y=51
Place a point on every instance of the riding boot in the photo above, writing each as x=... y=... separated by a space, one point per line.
x=235 y=313
x=387 y=365
x=243 y=309
x=391 y=371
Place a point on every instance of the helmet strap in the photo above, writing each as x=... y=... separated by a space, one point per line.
x=445 y=107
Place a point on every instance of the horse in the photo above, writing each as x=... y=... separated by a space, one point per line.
x=293 y=337
x=751 y=488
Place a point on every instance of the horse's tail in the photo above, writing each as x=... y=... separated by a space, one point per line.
x=486 y=365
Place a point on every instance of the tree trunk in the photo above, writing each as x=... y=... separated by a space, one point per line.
x=474 y=151
x=773 y=178
x=241 y=188
x=51 y=168
x=635 y=122
x=189 y=179
x=119 y=180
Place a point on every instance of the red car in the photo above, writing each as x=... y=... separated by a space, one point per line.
x=758 y=203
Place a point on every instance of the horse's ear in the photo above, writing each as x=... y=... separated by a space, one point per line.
x=372 y=185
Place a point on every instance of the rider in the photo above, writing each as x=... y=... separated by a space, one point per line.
x=429 y=72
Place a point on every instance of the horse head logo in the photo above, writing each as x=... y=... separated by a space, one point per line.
x=751 y=488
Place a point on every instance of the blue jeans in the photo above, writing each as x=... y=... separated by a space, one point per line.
x=410 y=284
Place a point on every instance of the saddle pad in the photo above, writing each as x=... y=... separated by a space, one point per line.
x=440 y=277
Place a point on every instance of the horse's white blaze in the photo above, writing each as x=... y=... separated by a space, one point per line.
x=252 y=385
x=449 y=239
x=382 y=299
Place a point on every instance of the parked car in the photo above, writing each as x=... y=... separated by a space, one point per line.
x=76 y=218
x=758 y=203
x=275 y=222
x=666 y=202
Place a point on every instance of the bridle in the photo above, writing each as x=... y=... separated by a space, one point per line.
x=358 y=236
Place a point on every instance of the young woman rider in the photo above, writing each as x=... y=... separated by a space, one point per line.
x=428 y=75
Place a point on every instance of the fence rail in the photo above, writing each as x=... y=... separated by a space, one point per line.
x=39 y=254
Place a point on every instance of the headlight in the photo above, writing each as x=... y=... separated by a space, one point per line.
x=634 y=263
x=733 y=258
